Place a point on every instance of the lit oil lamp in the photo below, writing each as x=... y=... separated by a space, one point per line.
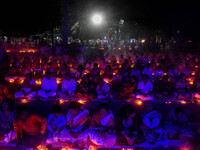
x=183 y=102
x=11 y=80
x=81 y=101
x=38 y=82
x=24 y=101
x=138 y=102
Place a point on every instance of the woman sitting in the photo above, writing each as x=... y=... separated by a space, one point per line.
x=102 y=132
x=78 y=121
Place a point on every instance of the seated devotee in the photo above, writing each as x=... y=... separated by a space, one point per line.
x=37 y=71
x=159 y=73
x=148 y=70
x=173 y=73
x=124 y=71
x=49 y=86
x=89 y=65
x=7 y=114
x=186 y=70
x=114 y=65
x=130 y=89
x=151 y=124
x=144 y=89
x=29 y=128
x=163 y=88
x=182 y=88
x=83 y=89
x=176 y=125
x=102 y=128
x=103 y=64
x=108 y=72
x=64 y=69
x=78 y=121
x=136 y=72
x=56 y=122
x=79 y=72
x=95 y=72
x=68 y=87
x=196 y=89
x=130 y=126
x=5 y=92
x=28 y=89
x=103 y=89
x=121 y=59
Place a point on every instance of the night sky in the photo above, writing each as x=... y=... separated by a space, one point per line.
x=31 y=16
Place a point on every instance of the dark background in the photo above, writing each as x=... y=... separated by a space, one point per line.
x=37 y=16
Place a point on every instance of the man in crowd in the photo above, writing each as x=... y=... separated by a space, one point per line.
x=49 y=86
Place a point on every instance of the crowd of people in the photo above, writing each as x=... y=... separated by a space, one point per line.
x=81 y=128
x=134 y=76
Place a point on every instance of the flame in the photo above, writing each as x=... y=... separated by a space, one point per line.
x=138 y=102
x=165 y=73
x=193 y=73
x=61 y=101
x=11 y=80
x=191 y=82
x=38 y=82
x=24 y=101
x=183 y=102
x=82 y=101
x=79 y=81
x=21 y=81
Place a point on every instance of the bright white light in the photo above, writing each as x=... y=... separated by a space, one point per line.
x=97 y=19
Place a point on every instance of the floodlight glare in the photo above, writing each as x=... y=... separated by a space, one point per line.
x=97 y=19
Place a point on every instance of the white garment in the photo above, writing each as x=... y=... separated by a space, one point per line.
x=148 y=72
x=69 y=86
x=105 y=120
x=145 y=88
x=107 y=141
x=55 y=122
x=136 y=73
x=103 y=92
x=50 y=84
x=159 y=73
x=65 y=135
x=9 y=137
x=152 y=119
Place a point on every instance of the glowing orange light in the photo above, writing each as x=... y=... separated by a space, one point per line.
x=42 y=147
x=183 y=102
x=193 y=73
x=119 y=48
x=138 y=102
x=114 y=73
x=132 y=66
x=11 y=80
x=38 y=82
x=165 y=73
x=129 y=48
x=24 y=101
x=61 y=101
x=191 y=82
x=79 y=81
x=58 y=80
x=82 y=101
x=196 y=66
x=153 y=74
x=8 y=50
x=21 y=81
x=43 y=72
